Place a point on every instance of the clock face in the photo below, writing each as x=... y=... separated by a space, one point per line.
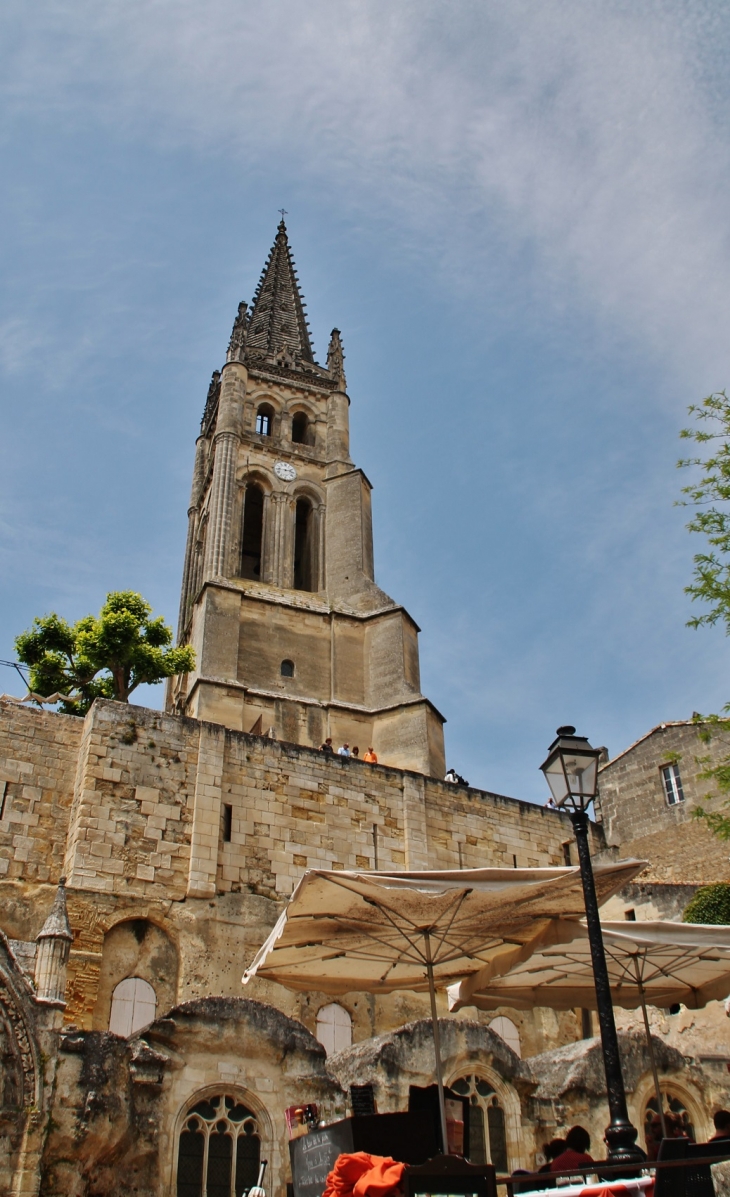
x=283 y=470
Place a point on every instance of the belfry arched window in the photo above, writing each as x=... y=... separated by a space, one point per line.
x=334 y=1028
x=304 y=546
x=253 y=531
x=134 y=1003
x=301 y=431
x=487 y=1139
x=219 y=1149
x=265 y=420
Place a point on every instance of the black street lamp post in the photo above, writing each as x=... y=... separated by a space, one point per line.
x=571 y=770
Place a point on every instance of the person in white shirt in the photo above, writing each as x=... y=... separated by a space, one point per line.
x=344 y=751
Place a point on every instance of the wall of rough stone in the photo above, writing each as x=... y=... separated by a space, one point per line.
x=637 y=818
x=38 y=757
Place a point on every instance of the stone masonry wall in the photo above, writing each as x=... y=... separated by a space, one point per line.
x=639 y=822
x=137 y=800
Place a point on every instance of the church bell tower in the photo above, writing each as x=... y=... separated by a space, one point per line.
x=278 y=598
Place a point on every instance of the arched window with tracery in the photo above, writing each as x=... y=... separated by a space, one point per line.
x=219 y=1150
x=487 y=1140
x=672 y=1105
x=252 y=535
x=506 y=1029
x=134 y=1003
x=334 y=1028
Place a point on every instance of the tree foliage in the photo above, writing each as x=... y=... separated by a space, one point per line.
x=709 y=494
x=107 y=655
x=711 y=904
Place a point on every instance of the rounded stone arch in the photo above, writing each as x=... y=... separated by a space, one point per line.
x=508 y=1099
x=247 y=1098
x=136 y=946
x=683 y=1090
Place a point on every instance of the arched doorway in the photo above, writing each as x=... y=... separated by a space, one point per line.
x=219 y=1148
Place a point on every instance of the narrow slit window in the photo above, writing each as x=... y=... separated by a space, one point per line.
x=672 y=784
x=566 y=853
x=227 y=822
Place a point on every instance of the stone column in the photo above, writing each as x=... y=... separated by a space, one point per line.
x=279 y=548
x=54 y=945
x=223 y=487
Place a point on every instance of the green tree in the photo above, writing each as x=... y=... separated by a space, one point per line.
x=709 y=494
x=106 y=656
x=711 y=904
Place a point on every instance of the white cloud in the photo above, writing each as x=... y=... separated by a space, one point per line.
x=586 y=134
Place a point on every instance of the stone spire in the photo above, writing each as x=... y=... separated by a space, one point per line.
x=278 y=322
x=54 y=945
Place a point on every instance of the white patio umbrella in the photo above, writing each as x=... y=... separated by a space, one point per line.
x=378 y=932
x=656 y=962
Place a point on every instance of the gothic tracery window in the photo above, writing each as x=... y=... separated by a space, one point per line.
x=487 y=1140
x=219 y=1150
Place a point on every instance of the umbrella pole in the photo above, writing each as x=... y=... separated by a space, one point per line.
x=436 y=1042
x=650 y=1046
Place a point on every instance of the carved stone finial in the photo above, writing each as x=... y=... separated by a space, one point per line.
x=54 y=945
x=237 y=344
x=336 y=359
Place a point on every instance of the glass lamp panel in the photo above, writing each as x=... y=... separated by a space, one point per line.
x=581 y=771
x=553 y=771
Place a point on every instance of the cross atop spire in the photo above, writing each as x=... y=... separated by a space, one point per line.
x=278 y=322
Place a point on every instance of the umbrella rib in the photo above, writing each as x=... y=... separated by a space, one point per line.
x=457 y=907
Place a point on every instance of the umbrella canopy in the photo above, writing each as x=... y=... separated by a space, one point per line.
x=379 y=932
x=659 y=962
x=344 y=931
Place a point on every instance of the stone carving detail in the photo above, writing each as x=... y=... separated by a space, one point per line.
x=336 y=360
x=237 y=343
x=20 y=1034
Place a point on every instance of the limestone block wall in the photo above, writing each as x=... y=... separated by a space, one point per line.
x=38 y=757
x=144 y=805
x=638 y=821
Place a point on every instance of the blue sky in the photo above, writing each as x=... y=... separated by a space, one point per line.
x=517 y=214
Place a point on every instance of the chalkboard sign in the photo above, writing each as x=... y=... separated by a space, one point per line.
x=313 y=1157
x=410 y=1137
